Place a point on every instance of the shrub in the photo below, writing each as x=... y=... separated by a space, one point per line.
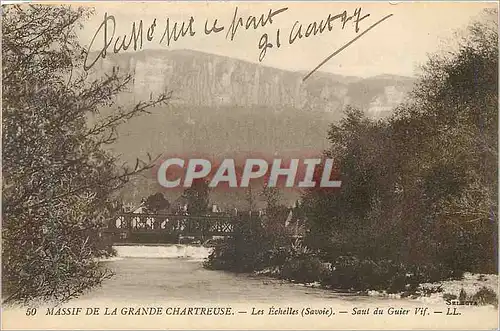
x=449 y=296
x=251 y=248
x=305 y=269
x=352 y=273
x=238 y=255
x=463 y=295
x=486 y=296
x=427 y=290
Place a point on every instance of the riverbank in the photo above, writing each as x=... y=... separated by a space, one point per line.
x=487 y=285
x=349 y=274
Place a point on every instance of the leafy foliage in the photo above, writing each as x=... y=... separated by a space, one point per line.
x=421 y=187
x=418 y=201
x=486 y=296
x=247 y=250
x=197 y=197
x=59 y=179
x=156 y=202
x=276 y=211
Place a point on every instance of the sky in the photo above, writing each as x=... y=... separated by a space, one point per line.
x=397 y=45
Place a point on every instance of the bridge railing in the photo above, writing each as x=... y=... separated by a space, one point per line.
x=173 y=223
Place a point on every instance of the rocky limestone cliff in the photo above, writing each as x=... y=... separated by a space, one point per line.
x=208 y=80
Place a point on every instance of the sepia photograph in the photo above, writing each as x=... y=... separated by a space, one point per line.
x=250 y=165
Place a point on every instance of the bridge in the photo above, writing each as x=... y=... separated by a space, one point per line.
x=168 y=228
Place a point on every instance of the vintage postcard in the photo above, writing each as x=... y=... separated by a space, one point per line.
x=250 y=165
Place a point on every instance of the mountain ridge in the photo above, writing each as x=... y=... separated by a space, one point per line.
x=214 y=80
x=188 y=51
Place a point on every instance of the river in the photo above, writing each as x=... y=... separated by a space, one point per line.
x=173 y=276
x=176 y=273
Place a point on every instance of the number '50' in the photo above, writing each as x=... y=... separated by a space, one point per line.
x=31 y=312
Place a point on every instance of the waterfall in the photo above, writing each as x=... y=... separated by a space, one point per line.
x=163 y=251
